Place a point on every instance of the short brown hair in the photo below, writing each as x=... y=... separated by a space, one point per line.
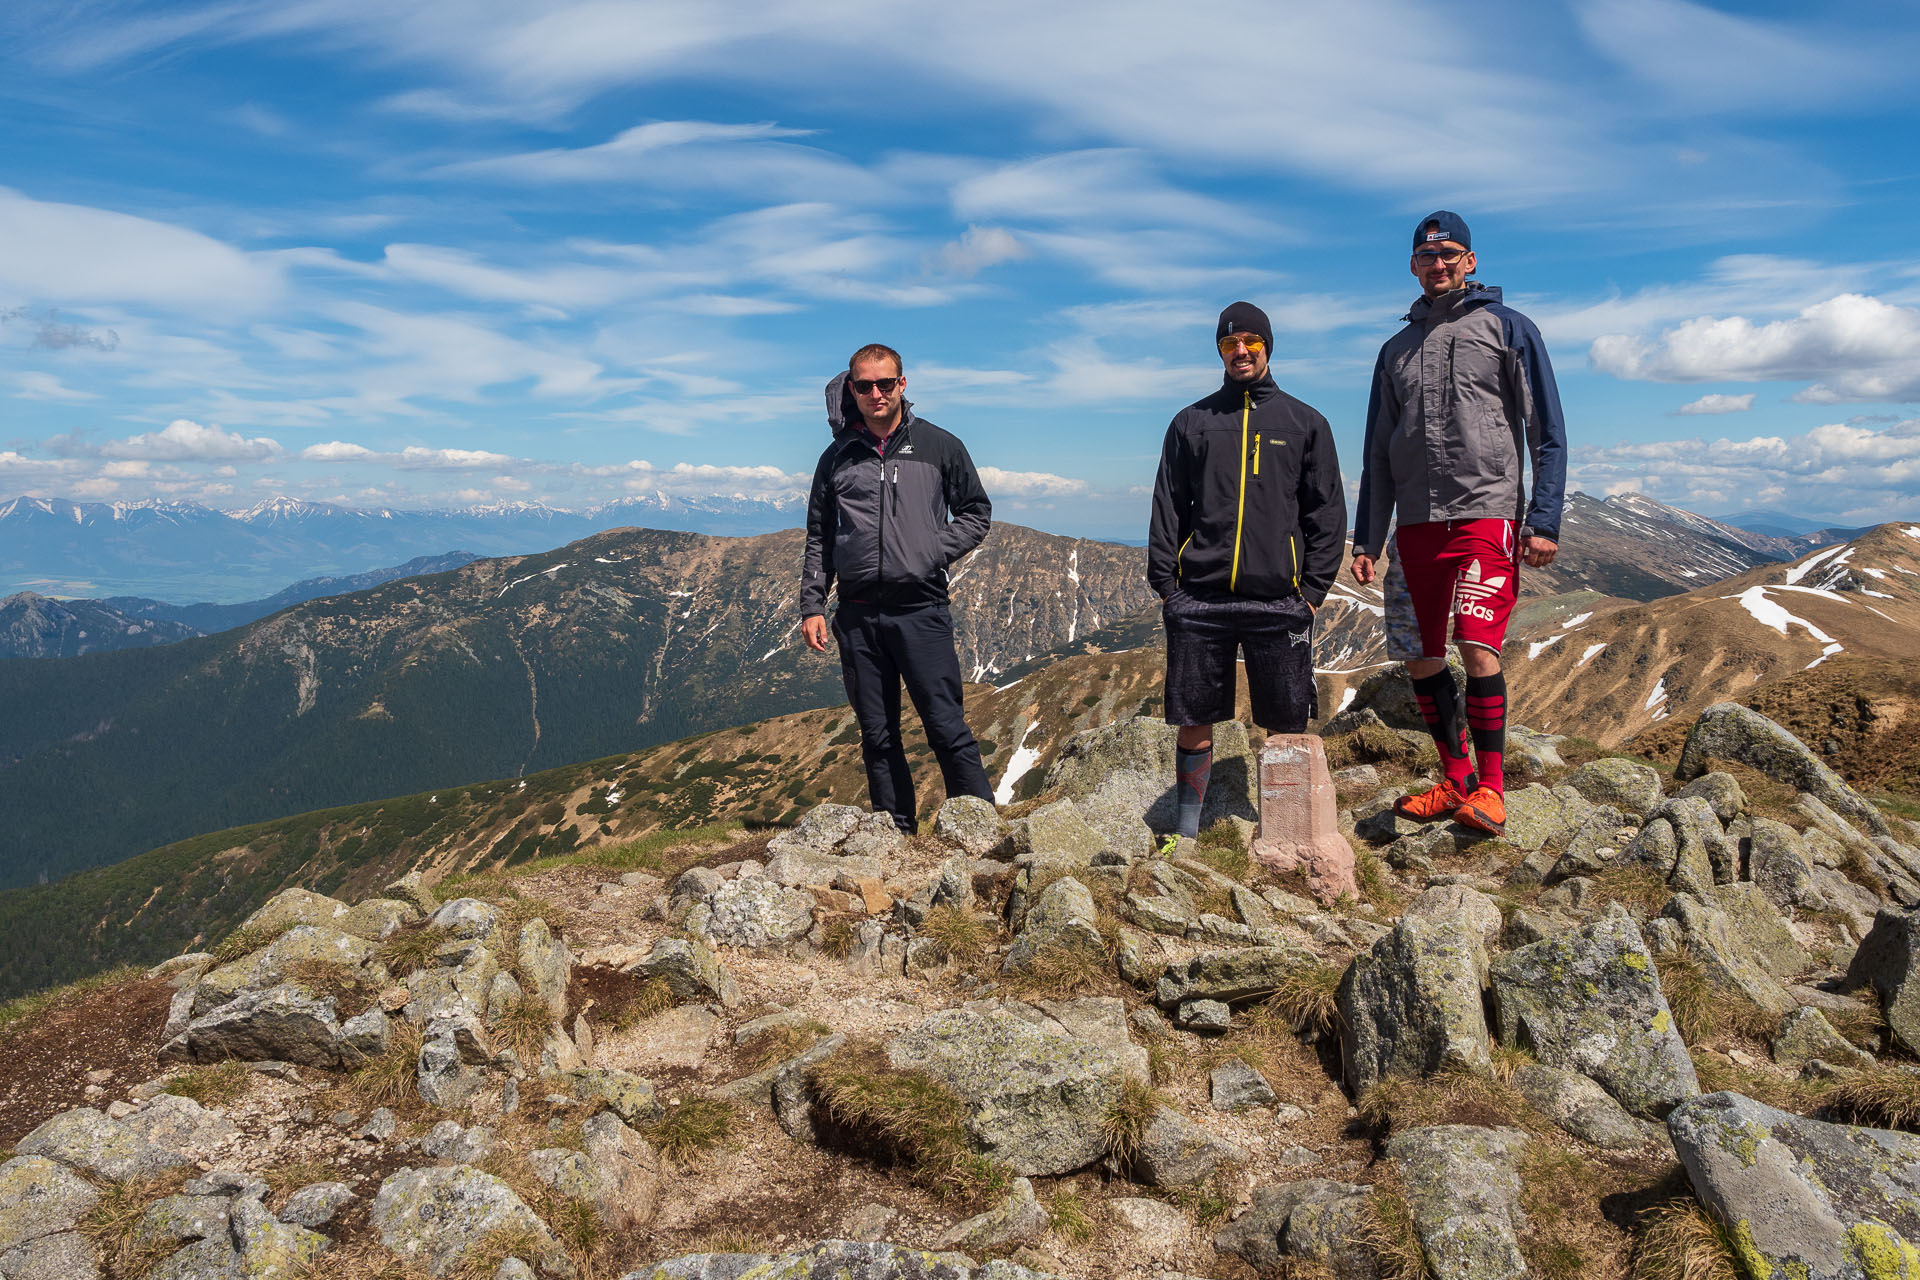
x=875 y=351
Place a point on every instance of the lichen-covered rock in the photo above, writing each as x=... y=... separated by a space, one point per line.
x=1706 y=857
x=460 y=981
x=1724 y=959
x=1806 y=1035
x=1056 y=835
x=1314 y=1219
x=1778 y=863
x=290 y=907
x=179 y=1219
x=183 y=1125
x=1579 y=1106
x=803 y=866
x=469 y=919
x=1535 y=817
x=973 y=824
x=1154 y=1228
x=1144 y=745
x=283 y=1023
x=450 y=1140
x=314 y=1205
x=626 y=1172
x=377 y=918
x=1173 y=1151
x=1479 y=913
x=1624 y=784
x=1018 y=1218
x=1760 y=931
x=268 y=967
x=1463 y=1191
x=1235 y=1086
x=40 y=1197
x=753 y=913
x=1061 y=919
x=1594 y=845
x=1230 y=977
x=544 y=965
x=65 y=1255
x=437 y=1217
x=86 y=1140
x=442 y=1075
x=1889 y=961
x=1729 y=731
x=254 y=1246
x=1035 y=1102
x=832 y=1260
x=1722 y=791
x=690 y=970
x=1589 y=1000
x=626 y=1095
x=1411 y=1002
x=368 y=1032
x=1802 y=1197
x=821 y=828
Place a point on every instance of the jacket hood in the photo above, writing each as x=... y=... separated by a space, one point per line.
x=1476 y=295
x=843 y=411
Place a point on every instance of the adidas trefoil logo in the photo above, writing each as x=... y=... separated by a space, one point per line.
x=1472 y=589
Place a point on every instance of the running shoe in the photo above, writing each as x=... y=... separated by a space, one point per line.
x=1484 y=810
x=1431 y=805
x=1168 y=846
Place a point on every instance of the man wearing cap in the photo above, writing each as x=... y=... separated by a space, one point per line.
x=1460 y=396
x=1248 y=521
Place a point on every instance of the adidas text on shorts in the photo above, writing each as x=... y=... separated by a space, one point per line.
x=1466 y=572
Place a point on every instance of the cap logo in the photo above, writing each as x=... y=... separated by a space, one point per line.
x=1436 y=235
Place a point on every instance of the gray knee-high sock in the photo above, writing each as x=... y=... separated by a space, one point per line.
x=1191 y=769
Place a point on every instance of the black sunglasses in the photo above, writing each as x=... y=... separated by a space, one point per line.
x=863 y=385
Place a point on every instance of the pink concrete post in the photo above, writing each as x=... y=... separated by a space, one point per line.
x=1299 y=820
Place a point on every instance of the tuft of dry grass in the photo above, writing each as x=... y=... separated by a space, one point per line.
x=123 y=1253
x=961 y=933
x=1453 y=1096
x=389 y=1080
x=1390 y=1235
x=687 y=1132
x=1883 y=1097
x=1508 y=1059
x=246 y=940
x=1566 y=1238
x=1309 y=999
x=1689 y=995
x=838 y=936
x=902 y=1118
x=295 y=1174
x=522 y=1023
x=213 y=1086
x=516 y=912
x=410 y=948
x=785 y=1043
x=1127 y=1119
x=357 y=1260
x=1068 y=1218
x=1680 y=1240
x=1642 y=888
x=1375 y=881
x=654 y=998
x=1775 y=1088
x=1060 y=971
x=731 y=1240
x=1861 y=1024
x=1373 y=744
x=1220 y=847
x=321 y=979
x=483 y=1260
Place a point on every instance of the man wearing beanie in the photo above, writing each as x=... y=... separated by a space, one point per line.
x=1460 y=396
x=1248 y=522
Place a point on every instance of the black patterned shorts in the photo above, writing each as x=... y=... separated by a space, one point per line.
x=1204 y=637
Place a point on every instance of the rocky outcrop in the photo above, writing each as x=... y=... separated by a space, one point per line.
x=1803 y=1197
x=1463 y=1192
x=1729 y=731
x=1313 y=1220
x=1062 y=918
x=437 y=1217
x=752 y=912
x=283 y=1024
x=1411 y=1002
x=1888 y=961
x=86 y=1140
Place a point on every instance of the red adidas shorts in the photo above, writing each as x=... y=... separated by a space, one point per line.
x=1468 y=570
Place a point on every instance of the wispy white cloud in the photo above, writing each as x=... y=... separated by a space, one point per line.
x=35 y=385
x=1029 y=484
x=979 y=248
x=1852 y=346
x=1716 y=403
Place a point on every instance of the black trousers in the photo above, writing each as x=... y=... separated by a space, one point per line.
x=879 y=649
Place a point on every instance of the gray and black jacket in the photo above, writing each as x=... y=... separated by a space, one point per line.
x=1462 y=397
x=887 y=525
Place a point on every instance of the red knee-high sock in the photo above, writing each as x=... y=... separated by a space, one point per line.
x=1440 y=708
x=1487 y=716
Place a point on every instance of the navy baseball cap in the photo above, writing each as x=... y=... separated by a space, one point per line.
x=1442 y=225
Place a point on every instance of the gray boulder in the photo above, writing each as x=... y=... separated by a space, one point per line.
x=1118 y=810
x=1760 y=930
x=1230 y=977
x=1594 y=845
x=973 y=824
x=1589 y=1000
x=822 y=828
x=1805 y=1036
x=84 y=1139
x=803 y=866
x=1144 y=746
x=1411 y=1002
x=1625 y=784
x=1729 y=731
x=1056 y=835
x=1803 y=1197
x=1314 y=1219
x=436 y=1217
x=314 y=1205
x=832 y=1260
x=1235 y=1086
x=1724 y=959
x=1061 y=918
x=442 y=1075
x=1018 y=1218
x=628 y=1096
x=269 y=966
x=1778 y=863
x=626 y=1172
x=1035 y=1102
x=1173 y=1151
x=40 y=1197
x=690 y=970
x=1889 y=961
x=753 y=913
x=1706 y=857
x=468 y=919
x=1463 y=1191
x=283 y=1023
x=1722 y=791
x=544 y=964
x=1579 y=1106
x=66 y=1255
x=290 y=907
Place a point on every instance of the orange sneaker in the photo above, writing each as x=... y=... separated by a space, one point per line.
x=1430 y=805
x=1484 y=810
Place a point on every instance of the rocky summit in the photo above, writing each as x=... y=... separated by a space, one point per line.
x=1665 y=1027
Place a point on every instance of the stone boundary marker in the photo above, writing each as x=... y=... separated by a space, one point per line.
x=1299 y=819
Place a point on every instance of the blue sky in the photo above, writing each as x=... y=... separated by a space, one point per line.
x=466 y=251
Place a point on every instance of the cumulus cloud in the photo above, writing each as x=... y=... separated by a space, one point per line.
x=1843 y=469
x=1717 y=403
x=411 y=458
x=337 y=451
x=1852 y=347
x=1029 y=484
x=186 y=441
x=979 y=248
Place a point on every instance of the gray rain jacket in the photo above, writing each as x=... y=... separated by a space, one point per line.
x=887 y=525
x=1460 y=396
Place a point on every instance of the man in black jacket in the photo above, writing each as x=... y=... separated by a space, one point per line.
x=1249 y=522
x=895 y=501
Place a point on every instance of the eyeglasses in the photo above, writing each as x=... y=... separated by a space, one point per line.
x=862 y=386
x=1427 y=257
x=1252 y=342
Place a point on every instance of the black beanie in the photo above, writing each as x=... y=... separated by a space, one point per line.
x=1244 y=317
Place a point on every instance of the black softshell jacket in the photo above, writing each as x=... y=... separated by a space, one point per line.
x=1248 y=500
x=886 y=526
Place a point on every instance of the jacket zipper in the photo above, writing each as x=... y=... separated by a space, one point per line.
x=1294 y=548
x=1239 y=516
x=880 y=543
x=1256 y=453
x=1179 y=568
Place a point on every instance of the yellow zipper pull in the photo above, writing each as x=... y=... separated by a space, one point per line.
x=1256 y=453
